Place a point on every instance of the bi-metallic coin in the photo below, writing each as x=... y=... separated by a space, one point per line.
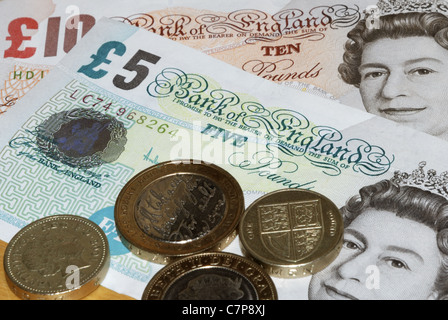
x=179 y=208
x=211 y=276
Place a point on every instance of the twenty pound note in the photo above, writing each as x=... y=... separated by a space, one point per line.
x=125 y=99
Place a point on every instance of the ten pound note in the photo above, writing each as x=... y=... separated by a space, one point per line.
x=344 y=50
x=125 y=99
x=295 y=43
x=35 y=35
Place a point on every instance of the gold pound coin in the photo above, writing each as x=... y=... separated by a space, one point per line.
x=61 y=257
x=178 y=208
x=292 y=233
x=211 y=276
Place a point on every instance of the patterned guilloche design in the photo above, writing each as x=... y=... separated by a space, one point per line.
x=82 y=138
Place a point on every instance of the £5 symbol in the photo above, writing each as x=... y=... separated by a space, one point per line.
x=133 y=65
x=101 y=58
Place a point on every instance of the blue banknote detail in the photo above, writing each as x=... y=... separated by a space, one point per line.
x=81 y=138
x=104 y=218
x=33 y=185
x=121 y=259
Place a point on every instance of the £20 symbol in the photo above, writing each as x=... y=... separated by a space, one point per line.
x=94 y=69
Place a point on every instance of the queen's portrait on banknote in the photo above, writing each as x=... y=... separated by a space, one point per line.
x=398 y=58
x=395 y=242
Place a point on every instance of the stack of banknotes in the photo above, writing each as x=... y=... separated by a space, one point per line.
x=347 y=98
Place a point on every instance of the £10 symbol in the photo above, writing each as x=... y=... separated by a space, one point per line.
x=19 y=26
x=94 y=69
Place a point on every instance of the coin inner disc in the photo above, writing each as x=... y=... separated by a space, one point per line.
x=180 y=207
x=211 y=284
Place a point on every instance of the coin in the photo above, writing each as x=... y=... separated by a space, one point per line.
x=178 y=208
x=211 y=276
x=292 y=233
x=57 y=257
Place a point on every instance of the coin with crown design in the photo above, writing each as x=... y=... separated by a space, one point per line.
x=60 y=257
x=211 y=276
x=292 y=233
x=179 y=208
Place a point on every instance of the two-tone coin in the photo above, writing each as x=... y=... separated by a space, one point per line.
x=179 y=208
x=57 y=257
x=292 y=233
x=211 y=276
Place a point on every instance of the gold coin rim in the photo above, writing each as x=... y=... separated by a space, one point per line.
x=88 y=285
x=304 y=267
x=176 y=267
x=148 y=248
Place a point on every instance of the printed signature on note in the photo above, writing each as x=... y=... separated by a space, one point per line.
x=147 y=157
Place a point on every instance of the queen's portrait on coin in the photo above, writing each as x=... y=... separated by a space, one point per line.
x=398 y=58
x=395 y=243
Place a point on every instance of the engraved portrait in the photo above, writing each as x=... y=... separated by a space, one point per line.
x=395 y=244
x=52 y=252
x=397 y=56
x=82 y=138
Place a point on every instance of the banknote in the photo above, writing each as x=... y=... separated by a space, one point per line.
x=125 y=99
x=352 y=51
x=300 y=44
x=293 y=43
x=309 y=46
x=36 y=34
x=393 y=61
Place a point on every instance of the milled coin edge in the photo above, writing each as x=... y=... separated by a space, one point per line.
x=176 y=267
x=89 y=284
